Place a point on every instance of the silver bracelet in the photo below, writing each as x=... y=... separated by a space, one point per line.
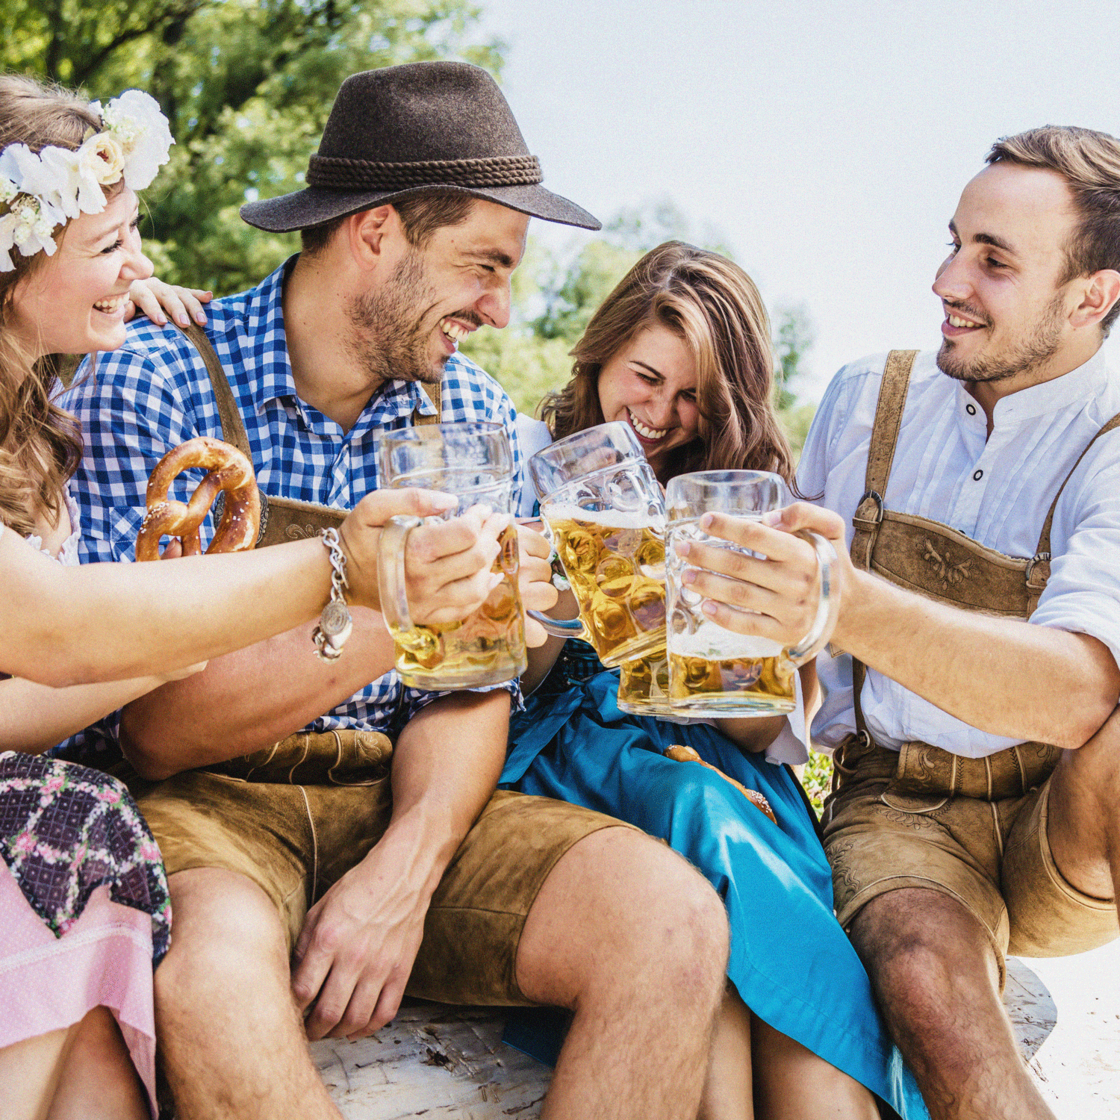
x=335 y=622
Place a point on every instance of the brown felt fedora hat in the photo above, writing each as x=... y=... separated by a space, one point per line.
x=403 y=130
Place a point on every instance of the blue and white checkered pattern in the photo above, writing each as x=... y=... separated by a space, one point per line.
x=154 y=393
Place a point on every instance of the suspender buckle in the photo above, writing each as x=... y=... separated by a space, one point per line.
x=1040 y=560
x=868 y=515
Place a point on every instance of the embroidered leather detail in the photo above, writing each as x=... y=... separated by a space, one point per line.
x=300 y=532
x=947 y=571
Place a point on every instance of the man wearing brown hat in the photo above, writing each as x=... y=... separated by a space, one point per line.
x=286 y=833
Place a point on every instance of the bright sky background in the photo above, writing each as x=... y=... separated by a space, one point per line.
x=826 y=143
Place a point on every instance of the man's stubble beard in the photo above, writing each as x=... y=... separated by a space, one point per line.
x=388 y=337
x=1024 y=357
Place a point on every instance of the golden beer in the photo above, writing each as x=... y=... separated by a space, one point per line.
x=643 y=686
x=617 y=574
x=717 y=672
x=487 y=647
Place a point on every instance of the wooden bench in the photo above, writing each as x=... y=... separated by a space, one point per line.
x=441 y=1062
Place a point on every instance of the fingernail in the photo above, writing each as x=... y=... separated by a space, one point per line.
x=182 y=320
x=683 y=548
x=688 y=576
x=773 y=517
x=708 y=607
x=706 y=520
x=200 y=317
x=161 y=322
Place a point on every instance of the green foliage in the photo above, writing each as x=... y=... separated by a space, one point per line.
x=246 y=85
x=816 y=777
x=793 y=339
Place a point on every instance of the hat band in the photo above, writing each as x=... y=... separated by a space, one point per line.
x=341 y=174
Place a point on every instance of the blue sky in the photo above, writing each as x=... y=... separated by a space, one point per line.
x=825 y=143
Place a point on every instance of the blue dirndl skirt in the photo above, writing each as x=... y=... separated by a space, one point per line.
x=790 y=961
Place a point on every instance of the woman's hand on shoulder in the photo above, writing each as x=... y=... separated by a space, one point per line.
x=158 y=300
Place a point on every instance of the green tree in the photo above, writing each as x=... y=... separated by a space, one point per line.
x=793 y=339
x=246 y=85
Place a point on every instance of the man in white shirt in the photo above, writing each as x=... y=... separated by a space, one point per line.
x=977 y=807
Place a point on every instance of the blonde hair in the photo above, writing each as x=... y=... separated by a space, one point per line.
x=40 y=444
x=1089 y=162
x=714 y=306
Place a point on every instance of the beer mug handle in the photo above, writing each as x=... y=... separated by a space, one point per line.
x=390 y=570
x=561 y=627
x=825 y=619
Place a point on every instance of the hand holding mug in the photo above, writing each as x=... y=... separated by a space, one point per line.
x=535 y=578
x=772 y=588
x=473 y=557
x=747 y=602
x=446 y=565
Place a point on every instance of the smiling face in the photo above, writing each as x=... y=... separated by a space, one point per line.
x=1007 y=305
x=432 y=296
x=74 y=303
x=650 y=383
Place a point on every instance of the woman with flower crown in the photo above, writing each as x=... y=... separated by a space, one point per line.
x=84 y=912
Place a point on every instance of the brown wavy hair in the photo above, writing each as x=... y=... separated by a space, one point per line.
x=714 y=307
x=1089 y=162
x=40 y=444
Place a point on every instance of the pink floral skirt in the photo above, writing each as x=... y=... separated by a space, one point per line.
x=103 y=960
x=84 y=910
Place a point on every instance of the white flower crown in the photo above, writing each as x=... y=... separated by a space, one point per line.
x=39 y=193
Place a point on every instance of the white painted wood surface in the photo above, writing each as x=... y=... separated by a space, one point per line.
x=440 y=1062
x=433 y=1061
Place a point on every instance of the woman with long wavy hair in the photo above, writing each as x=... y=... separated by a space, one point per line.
x=680 y=351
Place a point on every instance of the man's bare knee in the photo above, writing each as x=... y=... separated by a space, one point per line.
x=227 y=934
x=619 y=905
x=926 y=954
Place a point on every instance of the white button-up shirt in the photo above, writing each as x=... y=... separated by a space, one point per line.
x=997 y=490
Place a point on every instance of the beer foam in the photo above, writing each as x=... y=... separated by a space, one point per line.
x=712 y=642
x=607 y=518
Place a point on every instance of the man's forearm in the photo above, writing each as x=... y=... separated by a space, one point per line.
x=250 y=699
x=1003 y=676
x=446 y=764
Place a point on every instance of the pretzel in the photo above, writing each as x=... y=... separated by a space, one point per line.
x=227 y=470
x=686 y=754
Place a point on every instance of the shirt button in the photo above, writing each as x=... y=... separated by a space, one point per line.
x=978 y=475
x=970 y=409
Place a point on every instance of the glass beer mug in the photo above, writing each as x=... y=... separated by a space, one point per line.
x=643 y=687
x=473 y=461
x=605 y=515
x=714 y=671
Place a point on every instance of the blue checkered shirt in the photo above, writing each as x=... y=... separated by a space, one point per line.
x=154 y=393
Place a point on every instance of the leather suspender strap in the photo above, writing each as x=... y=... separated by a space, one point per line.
x=880 y=457
x=880 y=453
x=282 y=519
x=1038 y=570
x=233 y=428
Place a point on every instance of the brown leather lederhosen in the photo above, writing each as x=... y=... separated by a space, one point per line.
x=943 y=564
x=335 y=757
